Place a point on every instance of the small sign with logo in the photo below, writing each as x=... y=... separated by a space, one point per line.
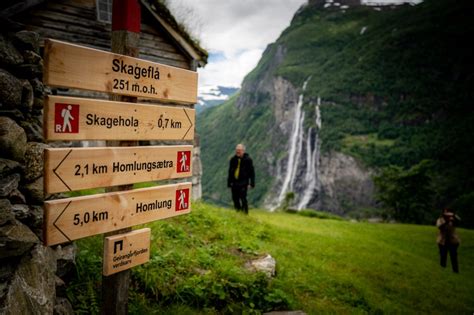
x=184 y=161
x=125 y=251
x=182 y=199
x=66 y=118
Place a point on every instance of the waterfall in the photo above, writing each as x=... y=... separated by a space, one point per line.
x=298 y=153
x=296 y=143
x=308 y=156
x=312 y=183
x=318 y=114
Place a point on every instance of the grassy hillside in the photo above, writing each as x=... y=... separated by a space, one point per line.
x=396 y=88
x=323 y=266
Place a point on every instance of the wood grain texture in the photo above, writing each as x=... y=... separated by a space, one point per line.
x=70 y=169
x=176 y=123
x=77 y=22
x=125 y=251
x=69 y=219
x=73 y=66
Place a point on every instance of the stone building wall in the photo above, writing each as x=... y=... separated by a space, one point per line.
x=31 y=275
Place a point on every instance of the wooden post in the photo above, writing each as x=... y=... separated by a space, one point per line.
x=126 y=20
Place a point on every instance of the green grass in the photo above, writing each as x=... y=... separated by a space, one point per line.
x=366 y=140
x=94 y=191
x=323 y=266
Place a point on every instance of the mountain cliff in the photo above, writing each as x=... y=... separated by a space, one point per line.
x=349 y=92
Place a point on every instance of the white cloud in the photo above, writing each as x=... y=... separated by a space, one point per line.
x=239 y=30
x=229 y=71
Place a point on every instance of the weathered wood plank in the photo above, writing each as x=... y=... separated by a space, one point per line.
x=162 y=54
x=68 y=19
x=68 y=7
x=158 y=45
x=48 y=21
x=65 y=36
x=125 y=251
x=151 y=30
x=174 y=63
x=49 y=24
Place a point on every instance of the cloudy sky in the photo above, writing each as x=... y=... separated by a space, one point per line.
x=235 y=33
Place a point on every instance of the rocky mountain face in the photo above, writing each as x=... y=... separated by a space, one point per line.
x=332 y=181
x=346 y=92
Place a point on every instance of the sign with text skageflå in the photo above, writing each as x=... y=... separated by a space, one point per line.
x=73 y=66
x=69 y=169
x=125 y=251
x=72 y=118
x=69 y=219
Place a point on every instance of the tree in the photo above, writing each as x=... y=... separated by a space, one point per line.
x=408 y=194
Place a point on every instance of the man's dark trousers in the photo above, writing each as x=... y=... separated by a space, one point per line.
x=239 y=196
x=452 y=249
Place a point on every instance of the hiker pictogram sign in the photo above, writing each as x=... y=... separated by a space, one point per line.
x=184 y=161
x=182 y=199
x=66 y=118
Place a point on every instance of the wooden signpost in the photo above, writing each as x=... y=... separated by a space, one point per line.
x=66 y=169
x=72 y=118
x=125 y=251
x=69 y=169
x=74 y=218
x=72 y=66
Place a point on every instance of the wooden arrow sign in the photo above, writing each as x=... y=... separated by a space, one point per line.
x=69 y=169
x=73 y=66
x=69 y=219
x=72 y=118
x=125 y=251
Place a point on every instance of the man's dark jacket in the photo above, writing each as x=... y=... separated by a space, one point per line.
x=246 y=173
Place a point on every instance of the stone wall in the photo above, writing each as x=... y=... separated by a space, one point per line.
x=30 y=273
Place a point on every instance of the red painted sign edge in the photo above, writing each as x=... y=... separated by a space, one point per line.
x=126 y=16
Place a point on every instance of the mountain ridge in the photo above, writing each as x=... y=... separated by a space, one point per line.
x=378 y=77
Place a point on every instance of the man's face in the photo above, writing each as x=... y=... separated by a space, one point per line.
x=239 y=151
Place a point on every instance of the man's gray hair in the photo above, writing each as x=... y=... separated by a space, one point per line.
x=240 y=145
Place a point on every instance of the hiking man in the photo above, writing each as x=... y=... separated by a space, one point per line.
x=241 y=176
x=183 y=160
x=448 y=240
x=67 y=117
x=181 y=199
